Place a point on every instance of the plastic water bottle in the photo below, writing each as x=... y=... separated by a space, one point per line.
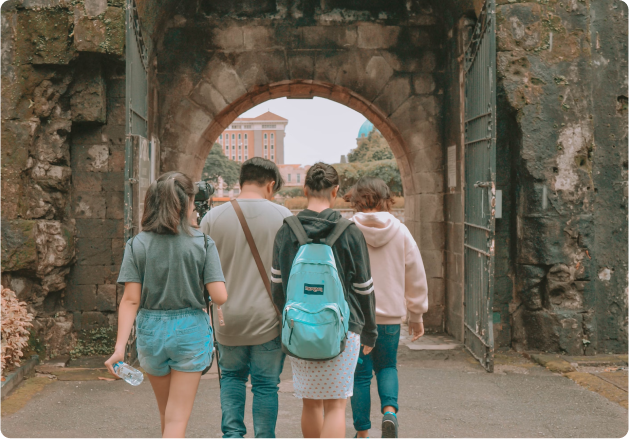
x=128 y=373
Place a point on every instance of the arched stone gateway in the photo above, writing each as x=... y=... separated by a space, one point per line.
x=390 y=73
x=560 y=272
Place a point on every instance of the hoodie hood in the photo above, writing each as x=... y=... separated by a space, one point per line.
x=378 y=227
x=318 y=225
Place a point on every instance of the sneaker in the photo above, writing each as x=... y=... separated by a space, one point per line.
x=389 y=425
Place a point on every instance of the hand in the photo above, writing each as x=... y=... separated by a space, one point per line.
x=416 y=329
x=367 y=349
x=116 y=357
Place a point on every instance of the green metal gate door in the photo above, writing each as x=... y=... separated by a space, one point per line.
x=136 y=79
x=480 y=186
x=136 y=145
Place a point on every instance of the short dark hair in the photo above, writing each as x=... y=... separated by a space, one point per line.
x=260 y=171
x=370 y=193
x=166 y=204
x=320 y=179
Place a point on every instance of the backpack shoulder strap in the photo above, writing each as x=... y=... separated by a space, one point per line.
x=298 y=229
x=336 y=232
x=206 y=294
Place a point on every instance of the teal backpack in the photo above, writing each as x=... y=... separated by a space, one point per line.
x=315 y=319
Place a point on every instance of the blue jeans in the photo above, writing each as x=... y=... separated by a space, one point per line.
x=383 y=361
x=265 y=363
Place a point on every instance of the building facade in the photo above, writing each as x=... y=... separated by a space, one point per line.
x=261 y=136
x=293 y=175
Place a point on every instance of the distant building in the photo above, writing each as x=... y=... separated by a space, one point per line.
x=261 y=136
x=293 y=175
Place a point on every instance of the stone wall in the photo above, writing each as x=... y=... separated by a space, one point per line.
x=62 y=162
x=562 y=95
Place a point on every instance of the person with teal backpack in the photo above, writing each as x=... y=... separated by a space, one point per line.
x=322 y=285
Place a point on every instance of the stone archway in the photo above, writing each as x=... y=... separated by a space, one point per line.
x=402 y=99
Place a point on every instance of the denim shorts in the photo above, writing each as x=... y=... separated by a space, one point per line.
x=173 y=339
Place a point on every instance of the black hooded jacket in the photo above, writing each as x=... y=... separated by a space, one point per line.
x=352 y=260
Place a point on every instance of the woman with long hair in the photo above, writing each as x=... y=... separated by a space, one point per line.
x=165 y=270
x=324 y=386
x=401 y=290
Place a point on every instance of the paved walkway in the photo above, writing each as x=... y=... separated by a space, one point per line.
x=443 y=393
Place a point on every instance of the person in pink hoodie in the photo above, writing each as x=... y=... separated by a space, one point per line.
x=401 y=290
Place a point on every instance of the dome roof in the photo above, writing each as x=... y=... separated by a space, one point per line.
x=365 y=129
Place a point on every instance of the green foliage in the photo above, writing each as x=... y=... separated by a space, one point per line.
x=98 y=341
x=372 y=148
x=291 y=192
x=218 y=165
x=387 y=170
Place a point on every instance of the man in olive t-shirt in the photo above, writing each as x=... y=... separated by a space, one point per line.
x=249 y=339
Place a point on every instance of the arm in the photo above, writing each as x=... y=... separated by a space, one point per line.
x=217 y=291
x=362 y=287
x=277 y=286
x=416 y=287
x=126 y=317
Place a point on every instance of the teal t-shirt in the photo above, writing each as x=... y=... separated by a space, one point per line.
x=173 y=269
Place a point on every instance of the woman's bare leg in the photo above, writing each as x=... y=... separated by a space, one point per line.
x=334 y=418
x=312 y=417
x=183 y=390
x=161 y=387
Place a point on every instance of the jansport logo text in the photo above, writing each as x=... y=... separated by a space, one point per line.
x=313 y=290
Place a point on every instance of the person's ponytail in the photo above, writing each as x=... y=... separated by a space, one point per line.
x=166 y=204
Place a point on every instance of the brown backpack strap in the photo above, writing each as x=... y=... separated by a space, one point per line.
x=255 y=253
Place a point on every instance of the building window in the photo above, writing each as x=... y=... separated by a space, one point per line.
x=245 y=137
x=220 y=137
x=265 y=135
x=289 y=177
x=233 y=137
x=272 y=157
x=298 y=178
x=246 y=157
x=240 y=158
x=272 y=136
x=239 y=136
x=272 y=146
x=247 y=127
x=268 y=126
x=265 y=147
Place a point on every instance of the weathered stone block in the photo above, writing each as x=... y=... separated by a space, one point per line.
x=19 y=250
x=17 y=140
x=223 y=77
x=88 y=101
x=454 y=267
x=87 y=298
x=437 y=290
x=429 y=208
x=115 y=205
x=454 y=240
x=116 y=112
x=51 y=177
x=433 y=262
x=394 y=93
x=518 y=26
x=454 y=207
x=329 y=37
x=51 y=141
x=89 y=205
x=90 y=274
x=375 y=36
x=102 y=34
x=428 y=182
x=88 y=320
x=230 y=38
x=432 y=236
x=114 y=134
x=116 y=158
x=113 y=181
x=301 y=65
x=87 y=181
x=43 y=37
x=208 y=97
x=92 y=158
x=117 y=251
x=99 y=228
x=88 y=134
x=424 y=83
x=107 y=297
x=93 y=251
x=257 y=68
x=258 y=37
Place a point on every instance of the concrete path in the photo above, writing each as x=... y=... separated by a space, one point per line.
x=442 y=394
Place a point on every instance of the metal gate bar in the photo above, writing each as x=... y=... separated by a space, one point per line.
x=480 y=177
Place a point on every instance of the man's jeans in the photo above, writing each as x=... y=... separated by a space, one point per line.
x=265 y=363
x=383 y=361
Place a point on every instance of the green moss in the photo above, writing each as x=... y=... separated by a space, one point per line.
x=98 y=341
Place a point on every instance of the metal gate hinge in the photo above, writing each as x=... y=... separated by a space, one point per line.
x=482 y=184
x=133 y=181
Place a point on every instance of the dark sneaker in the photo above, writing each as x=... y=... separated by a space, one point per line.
x=389 y=425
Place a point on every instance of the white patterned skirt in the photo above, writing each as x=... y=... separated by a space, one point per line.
x=332 y=379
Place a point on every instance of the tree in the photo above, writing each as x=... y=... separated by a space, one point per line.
x=372 y=148
x=371 y=158
x=387 y=170
x=218 y=165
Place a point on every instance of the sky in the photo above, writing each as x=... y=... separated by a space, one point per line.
x=318 y=129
